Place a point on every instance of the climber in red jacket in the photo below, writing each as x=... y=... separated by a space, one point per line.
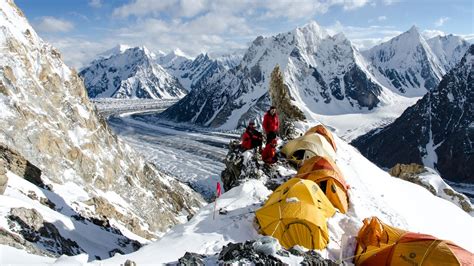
x=271 y=124
x=269 y=153
x=251 y=137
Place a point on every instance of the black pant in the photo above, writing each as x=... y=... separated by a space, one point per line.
x=271 y=136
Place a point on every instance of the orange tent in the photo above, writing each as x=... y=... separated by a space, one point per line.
x=323 y=131
x=327 y=175
x=381 y=244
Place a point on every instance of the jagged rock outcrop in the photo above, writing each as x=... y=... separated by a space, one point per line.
x=130 y=72
x=47 y=118
x=30 y=225
x=288 y=113
x=14 y=162
x=435 y=132
x=240 y=166
x=429 y=179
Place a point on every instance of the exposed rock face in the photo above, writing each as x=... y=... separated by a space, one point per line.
x=13 y=161
x=130 y=72
x=288 y=113
x=436 y=131
x=34 y=229
x=47 y=117
x=428 y=179
x=411 y=172
x=3 y=177
x=240 y=166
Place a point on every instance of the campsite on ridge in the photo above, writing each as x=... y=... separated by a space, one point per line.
x=270 y=133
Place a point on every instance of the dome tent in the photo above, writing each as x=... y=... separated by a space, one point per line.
x=296 y=214
x=323 y=131
x=381 y=244
x=327 y=175
x=307 y=146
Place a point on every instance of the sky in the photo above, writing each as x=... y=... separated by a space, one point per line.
x=81 y=29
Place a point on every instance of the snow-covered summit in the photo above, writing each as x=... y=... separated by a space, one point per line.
x=325 y=75
x=449 y=49
x=408 y=63
x=130 y=73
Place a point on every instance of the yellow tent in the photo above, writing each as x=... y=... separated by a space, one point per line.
x=322 y=130
x=296 y=214
x=326 y=174
x=381 y=244
x=307 y=146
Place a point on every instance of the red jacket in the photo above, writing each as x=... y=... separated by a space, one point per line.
x=270 y=122
x=251 y=139
x=269 y=154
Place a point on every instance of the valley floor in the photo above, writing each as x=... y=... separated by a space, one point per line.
x=194 y=156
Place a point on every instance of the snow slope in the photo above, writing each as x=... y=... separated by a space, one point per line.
x=373 y=192
x=129 y=72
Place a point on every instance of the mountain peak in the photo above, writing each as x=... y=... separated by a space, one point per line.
x=414 y=30
x=314 y=28
x=180 y=53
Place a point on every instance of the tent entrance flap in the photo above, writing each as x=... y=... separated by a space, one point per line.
x=298 y=233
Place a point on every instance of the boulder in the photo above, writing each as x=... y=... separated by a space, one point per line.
x=19 y=165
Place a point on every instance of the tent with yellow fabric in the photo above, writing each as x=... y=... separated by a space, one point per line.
x=381 y=244
x=296 y=214
x=308 y=146
x=323 y=131
x=327 y=175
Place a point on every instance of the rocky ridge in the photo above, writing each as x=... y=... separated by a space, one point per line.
x=62 y=135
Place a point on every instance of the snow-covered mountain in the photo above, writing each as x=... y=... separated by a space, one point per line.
x=194 y=73
x=436 y=132
x=130 y=72
x=410 y=65
x=325 y=75
x=229 y=60
x=72 y=186
x=449 y=49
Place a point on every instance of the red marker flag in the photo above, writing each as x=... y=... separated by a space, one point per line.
x=218 y=193
x=218 y=189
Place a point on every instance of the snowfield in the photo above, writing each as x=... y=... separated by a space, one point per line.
x=373 y=193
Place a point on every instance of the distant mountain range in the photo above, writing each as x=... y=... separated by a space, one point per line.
x=325 y=75
x=437 y=131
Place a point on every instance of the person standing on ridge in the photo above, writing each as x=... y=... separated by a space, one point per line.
x=271 y=124
x=251 y=137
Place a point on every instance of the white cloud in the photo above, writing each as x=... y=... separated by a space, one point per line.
x=95 y=3
x=267 y=8
x=364 y=37
x=51 y=24
x=440 y=22
x=428 y=34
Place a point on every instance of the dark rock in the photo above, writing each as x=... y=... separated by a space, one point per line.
x=190 y=258
x=30 y=224
x=17 y=164
x=129 y=263
x=440 y=123
x=245 y=253
x=237 y=169
x=313 y=258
